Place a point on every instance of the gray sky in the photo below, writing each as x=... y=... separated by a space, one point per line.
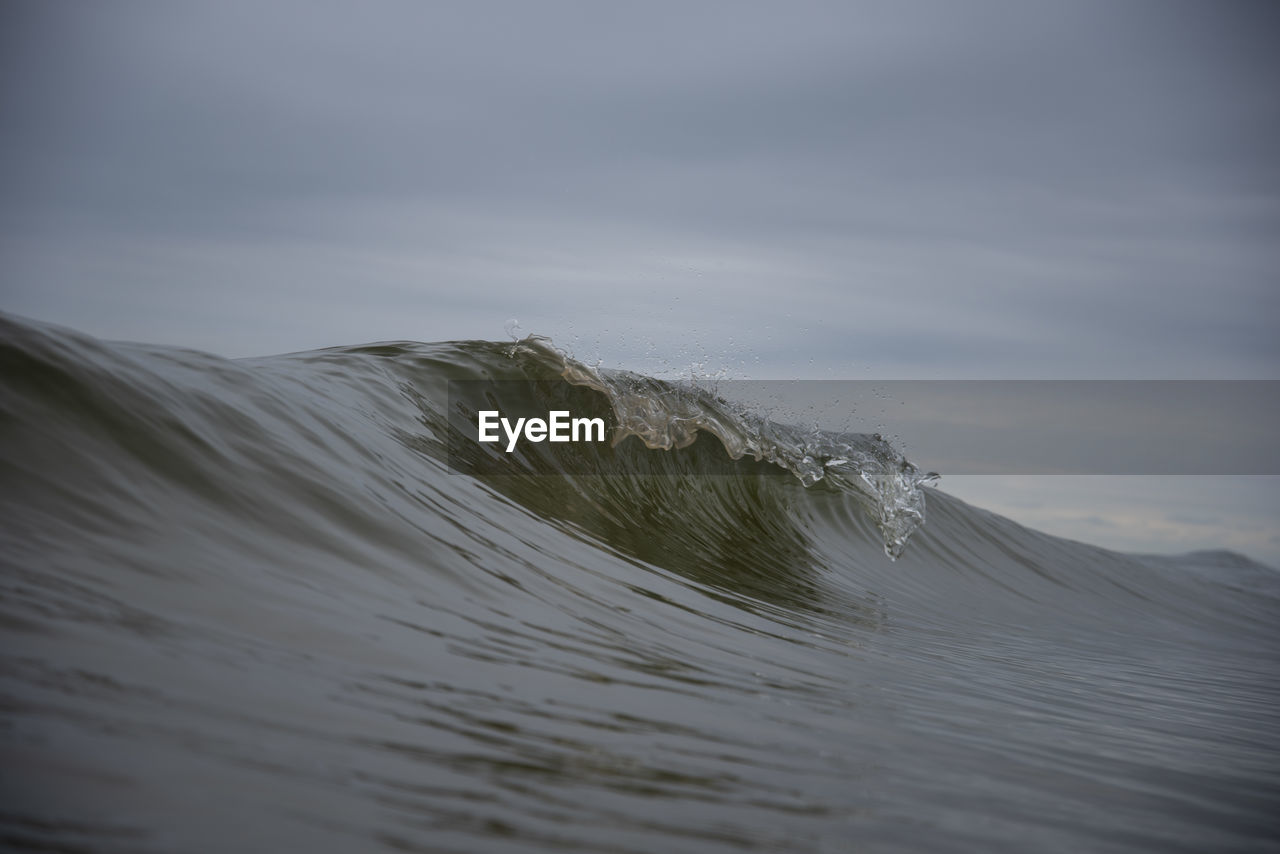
x=919 y=190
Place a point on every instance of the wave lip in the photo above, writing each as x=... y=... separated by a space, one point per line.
x=668 y=415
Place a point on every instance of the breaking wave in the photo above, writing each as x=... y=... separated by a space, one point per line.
x=255 y=604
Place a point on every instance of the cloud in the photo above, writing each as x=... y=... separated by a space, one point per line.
x=994 y=190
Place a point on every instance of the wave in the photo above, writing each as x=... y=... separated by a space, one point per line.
x=269 y=579
x=669 y=416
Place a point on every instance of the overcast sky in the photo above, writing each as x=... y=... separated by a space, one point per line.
x=920 y=190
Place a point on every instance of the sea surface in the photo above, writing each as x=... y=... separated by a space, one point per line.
x=280 y=604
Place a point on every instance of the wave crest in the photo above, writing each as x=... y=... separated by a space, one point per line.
x=669 y=415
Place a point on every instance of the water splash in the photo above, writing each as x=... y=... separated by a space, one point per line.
x=665 y=415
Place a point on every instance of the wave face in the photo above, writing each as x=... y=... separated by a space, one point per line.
x=248 y=605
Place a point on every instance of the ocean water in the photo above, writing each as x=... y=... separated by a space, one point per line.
x=274 y=604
